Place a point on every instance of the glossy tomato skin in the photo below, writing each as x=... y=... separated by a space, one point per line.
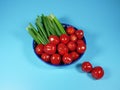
x=80 y=42
x=50 y=48
x=73 y=37
x=70 y=30
x=71 y=46
x=74 y=55
x=54 y=39
x=45 y=57
x=97 y=72
x=55 y=59
x=79 y=34
x=64 y=38
x=81 y=48
x=67 y=58
x=39 y=49
x=87 y=66
x=62 y=49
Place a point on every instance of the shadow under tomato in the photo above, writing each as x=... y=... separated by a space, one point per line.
x=78 y=68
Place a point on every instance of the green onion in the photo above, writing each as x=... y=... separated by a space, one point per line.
x=39 y=25
x=56 y=28
x=32 y=33
x=37 y=34
x=58 y=24
x=45 y=26
x=51 y=29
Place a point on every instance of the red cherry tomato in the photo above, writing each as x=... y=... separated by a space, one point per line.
x=70 y=30
x=45 y=57
x=86 y=66
x=64 y=38
x=80 y=42
x=67 y=59
x=71 y=46
x=50 y=48
x=55 y=59
x=39 y=49
x=97 y=72
x=73 y=37
x=74 y=55
x=79 y=34
x=81 y=48
x=62 y=49
x=54 y=39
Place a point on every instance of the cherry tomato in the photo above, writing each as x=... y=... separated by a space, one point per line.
x=97 y=72
x=62 y=49
x=45 y=57
x=74 y=55
x=70 y=30
x=64 y=38
x=81 y=48
x=80 y=42
x=54 y=39
x=67 y=58
x=50 y=48
x=39 y=49
x=71 y=46
x=55 y=59
x=79 y=34
x=73 y=37
x=86 y=66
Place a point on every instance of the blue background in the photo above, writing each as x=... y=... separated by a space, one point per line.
x=20 y=69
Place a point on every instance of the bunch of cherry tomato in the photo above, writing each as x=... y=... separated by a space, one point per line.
x=63 y=49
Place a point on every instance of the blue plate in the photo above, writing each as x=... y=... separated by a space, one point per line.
x=62 y=64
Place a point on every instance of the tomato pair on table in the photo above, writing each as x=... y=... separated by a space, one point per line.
x=97 y=72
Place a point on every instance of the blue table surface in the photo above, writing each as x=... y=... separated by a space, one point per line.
x=20 y=68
